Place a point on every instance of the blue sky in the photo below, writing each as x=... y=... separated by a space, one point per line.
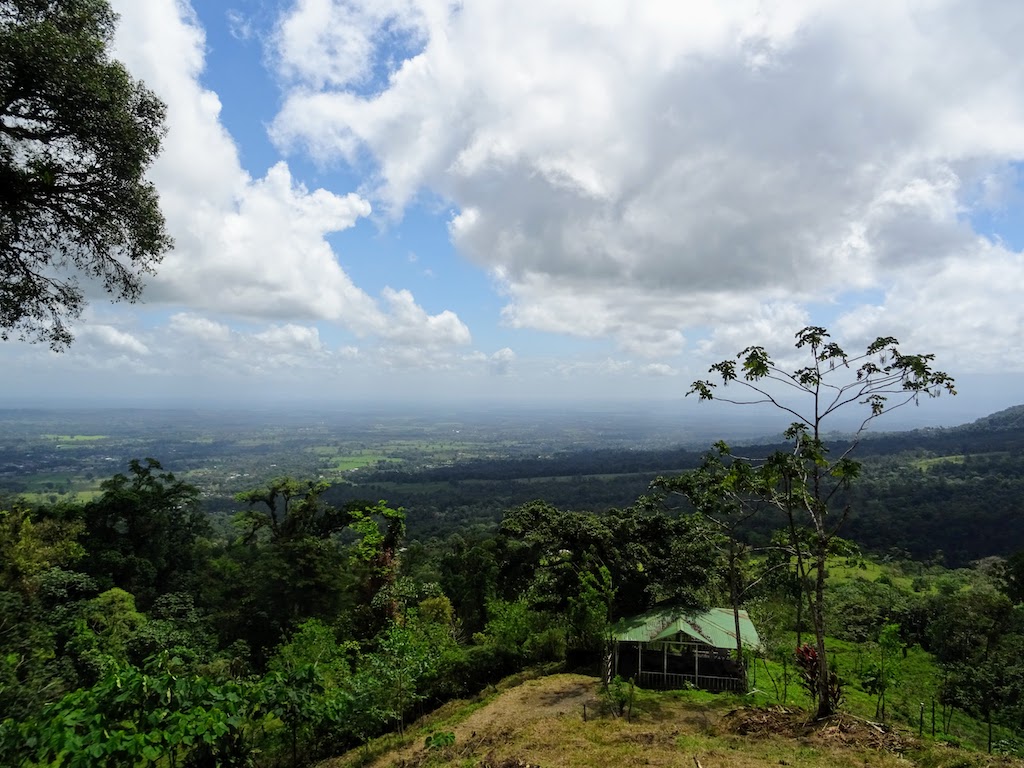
x=561 y=199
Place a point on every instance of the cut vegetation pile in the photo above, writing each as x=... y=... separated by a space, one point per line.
x=841 y=730
x=540 y=724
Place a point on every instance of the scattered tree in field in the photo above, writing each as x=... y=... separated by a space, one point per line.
x=884 y=672
x=77 y=133
x=804 y=480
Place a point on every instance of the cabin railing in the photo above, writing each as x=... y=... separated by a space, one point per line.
x=672 y=681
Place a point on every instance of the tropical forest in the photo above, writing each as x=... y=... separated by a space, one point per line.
x=417 y=454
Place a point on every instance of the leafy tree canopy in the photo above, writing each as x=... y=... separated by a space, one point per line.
x=77 y=133
x=804 y=481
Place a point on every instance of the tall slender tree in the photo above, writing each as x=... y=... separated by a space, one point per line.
x=804 y=480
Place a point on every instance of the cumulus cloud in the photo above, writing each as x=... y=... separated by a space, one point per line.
x=967 y=309
x=658 y=369
x=407 y=322
x=500 y=362
x=199 y=328
x=337 y=44
x=772 y=326
x=275 y=349
x=108 y=339
x=636 y=171
x=248 y=247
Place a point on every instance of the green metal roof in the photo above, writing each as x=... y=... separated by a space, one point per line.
x=716 y=627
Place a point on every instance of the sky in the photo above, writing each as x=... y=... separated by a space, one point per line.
x=565 y=200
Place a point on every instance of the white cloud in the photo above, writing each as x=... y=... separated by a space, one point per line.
x=501 y=361
x=658 y=369
x=323 y=42
x=967 y=309
x=280 y=351
x=252 y=248
x=199 y=328
x=291 y=337
x=240 y=26
x=407 y=322
x=772 y=326
x=107 y=339
x=634 y=171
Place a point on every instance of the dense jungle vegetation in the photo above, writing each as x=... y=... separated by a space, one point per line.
x=148 y=621
x=134 y=632
x=950 y=495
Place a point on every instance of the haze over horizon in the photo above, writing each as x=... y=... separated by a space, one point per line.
x=566 y=202
x=696 y=424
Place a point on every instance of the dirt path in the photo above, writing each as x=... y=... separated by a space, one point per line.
x=534 y=700
x=511 y=712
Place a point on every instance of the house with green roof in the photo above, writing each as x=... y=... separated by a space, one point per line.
x=667 y=648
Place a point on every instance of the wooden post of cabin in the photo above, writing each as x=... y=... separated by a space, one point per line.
x=696 y=666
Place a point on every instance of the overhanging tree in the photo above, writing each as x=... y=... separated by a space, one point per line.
x=804 y=480
x=77 y=133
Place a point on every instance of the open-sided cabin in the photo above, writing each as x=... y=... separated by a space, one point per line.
x=666 y=648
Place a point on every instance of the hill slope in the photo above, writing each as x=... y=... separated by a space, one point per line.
x=541 y=723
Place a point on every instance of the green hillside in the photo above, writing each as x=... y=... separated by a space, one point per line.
x=565 y=721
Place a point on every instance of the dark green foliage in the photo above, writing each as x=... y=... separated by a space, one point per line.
x=142 y=530
x=522 y=634
x=964 y=505
x=174 y=624
x=439 y=740
x=32 y=588
x=621 y=694
x=1012 y=578
x=76 y=136
x=301 y=637
x=858 y=609
x=289 y=509
x=649 y=556
x=469 y=573
x=291 y=564
x=133 y=717
x=29 y=669
x=309 y=688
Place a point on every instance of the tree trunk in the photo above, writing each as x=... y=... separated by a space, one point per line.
x=800 y=575
x=734 y=596
x=825 y=704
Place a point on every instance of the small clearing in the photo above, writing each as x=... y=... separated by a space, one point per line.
x=540 y=724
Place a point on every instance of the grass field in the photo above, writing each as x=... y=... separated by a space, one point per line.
x=845 y=569
x=565 y=721
x=338 y=460
x=75 y=438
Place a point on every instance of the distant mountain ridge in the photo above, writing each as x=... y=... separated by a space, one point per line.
x=1008 y=418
